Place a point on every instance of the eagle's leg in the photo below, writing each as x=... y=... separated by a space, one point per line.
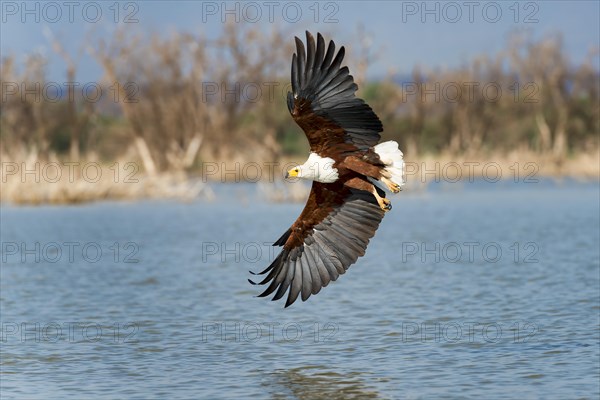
x=384 y=203
x=363 y=184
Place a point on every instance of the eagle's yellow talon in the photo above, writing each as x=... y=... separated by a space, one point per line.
x=384 y=203
x=392 y=186
x=387 y=205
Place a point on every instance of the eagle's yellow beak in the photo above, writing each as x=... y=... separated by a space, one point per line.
x=292 y=173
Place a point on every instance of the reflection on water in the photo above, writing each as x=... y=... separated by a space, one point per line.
x=158 y=306
x=316 y=383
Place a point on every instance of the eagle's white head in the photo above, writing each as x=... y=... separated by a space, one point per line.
x=316 y=168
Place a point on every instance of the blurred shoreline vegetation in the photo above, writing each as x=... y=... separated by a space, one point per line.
x=170 y=104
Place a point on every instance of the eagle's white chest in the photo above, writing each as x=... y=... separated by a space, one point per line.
x=319 y=169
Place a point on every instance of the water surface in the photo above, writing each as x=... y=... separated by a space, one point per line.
x=491 y=291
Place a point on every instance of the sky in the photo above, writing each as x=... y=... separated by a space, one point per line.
x=433 y=34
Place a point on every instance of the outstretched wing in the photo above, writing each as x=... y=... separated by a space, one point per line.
x=330 y=234
x=322 y=101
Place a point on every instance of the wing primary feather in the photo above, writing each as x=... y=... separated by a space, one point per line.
x=320 y=52
x=337 y=61
x=296 y=284
x=328 y=57
x=310 y=57
x=278 y=274
x=301 y=64
x=295 y=73
x=285 y=284
x=314 y=273
x=307 y=278
x=319 y=274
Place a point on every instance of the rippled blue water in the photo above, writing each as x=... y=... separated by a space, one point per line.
x=486 y=292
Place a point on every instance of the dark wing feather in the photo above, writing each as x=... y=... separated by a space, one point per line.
x=331 y=233
x=322 y=101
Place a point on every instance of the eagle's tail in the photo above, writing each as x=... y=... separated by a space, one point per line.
x=392 y=157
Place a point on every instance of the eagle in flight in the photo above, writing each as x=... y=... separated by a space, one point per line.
x=348 y=167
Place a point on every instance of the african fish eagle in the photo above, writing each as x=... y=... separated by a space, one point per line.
x=348 y=169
